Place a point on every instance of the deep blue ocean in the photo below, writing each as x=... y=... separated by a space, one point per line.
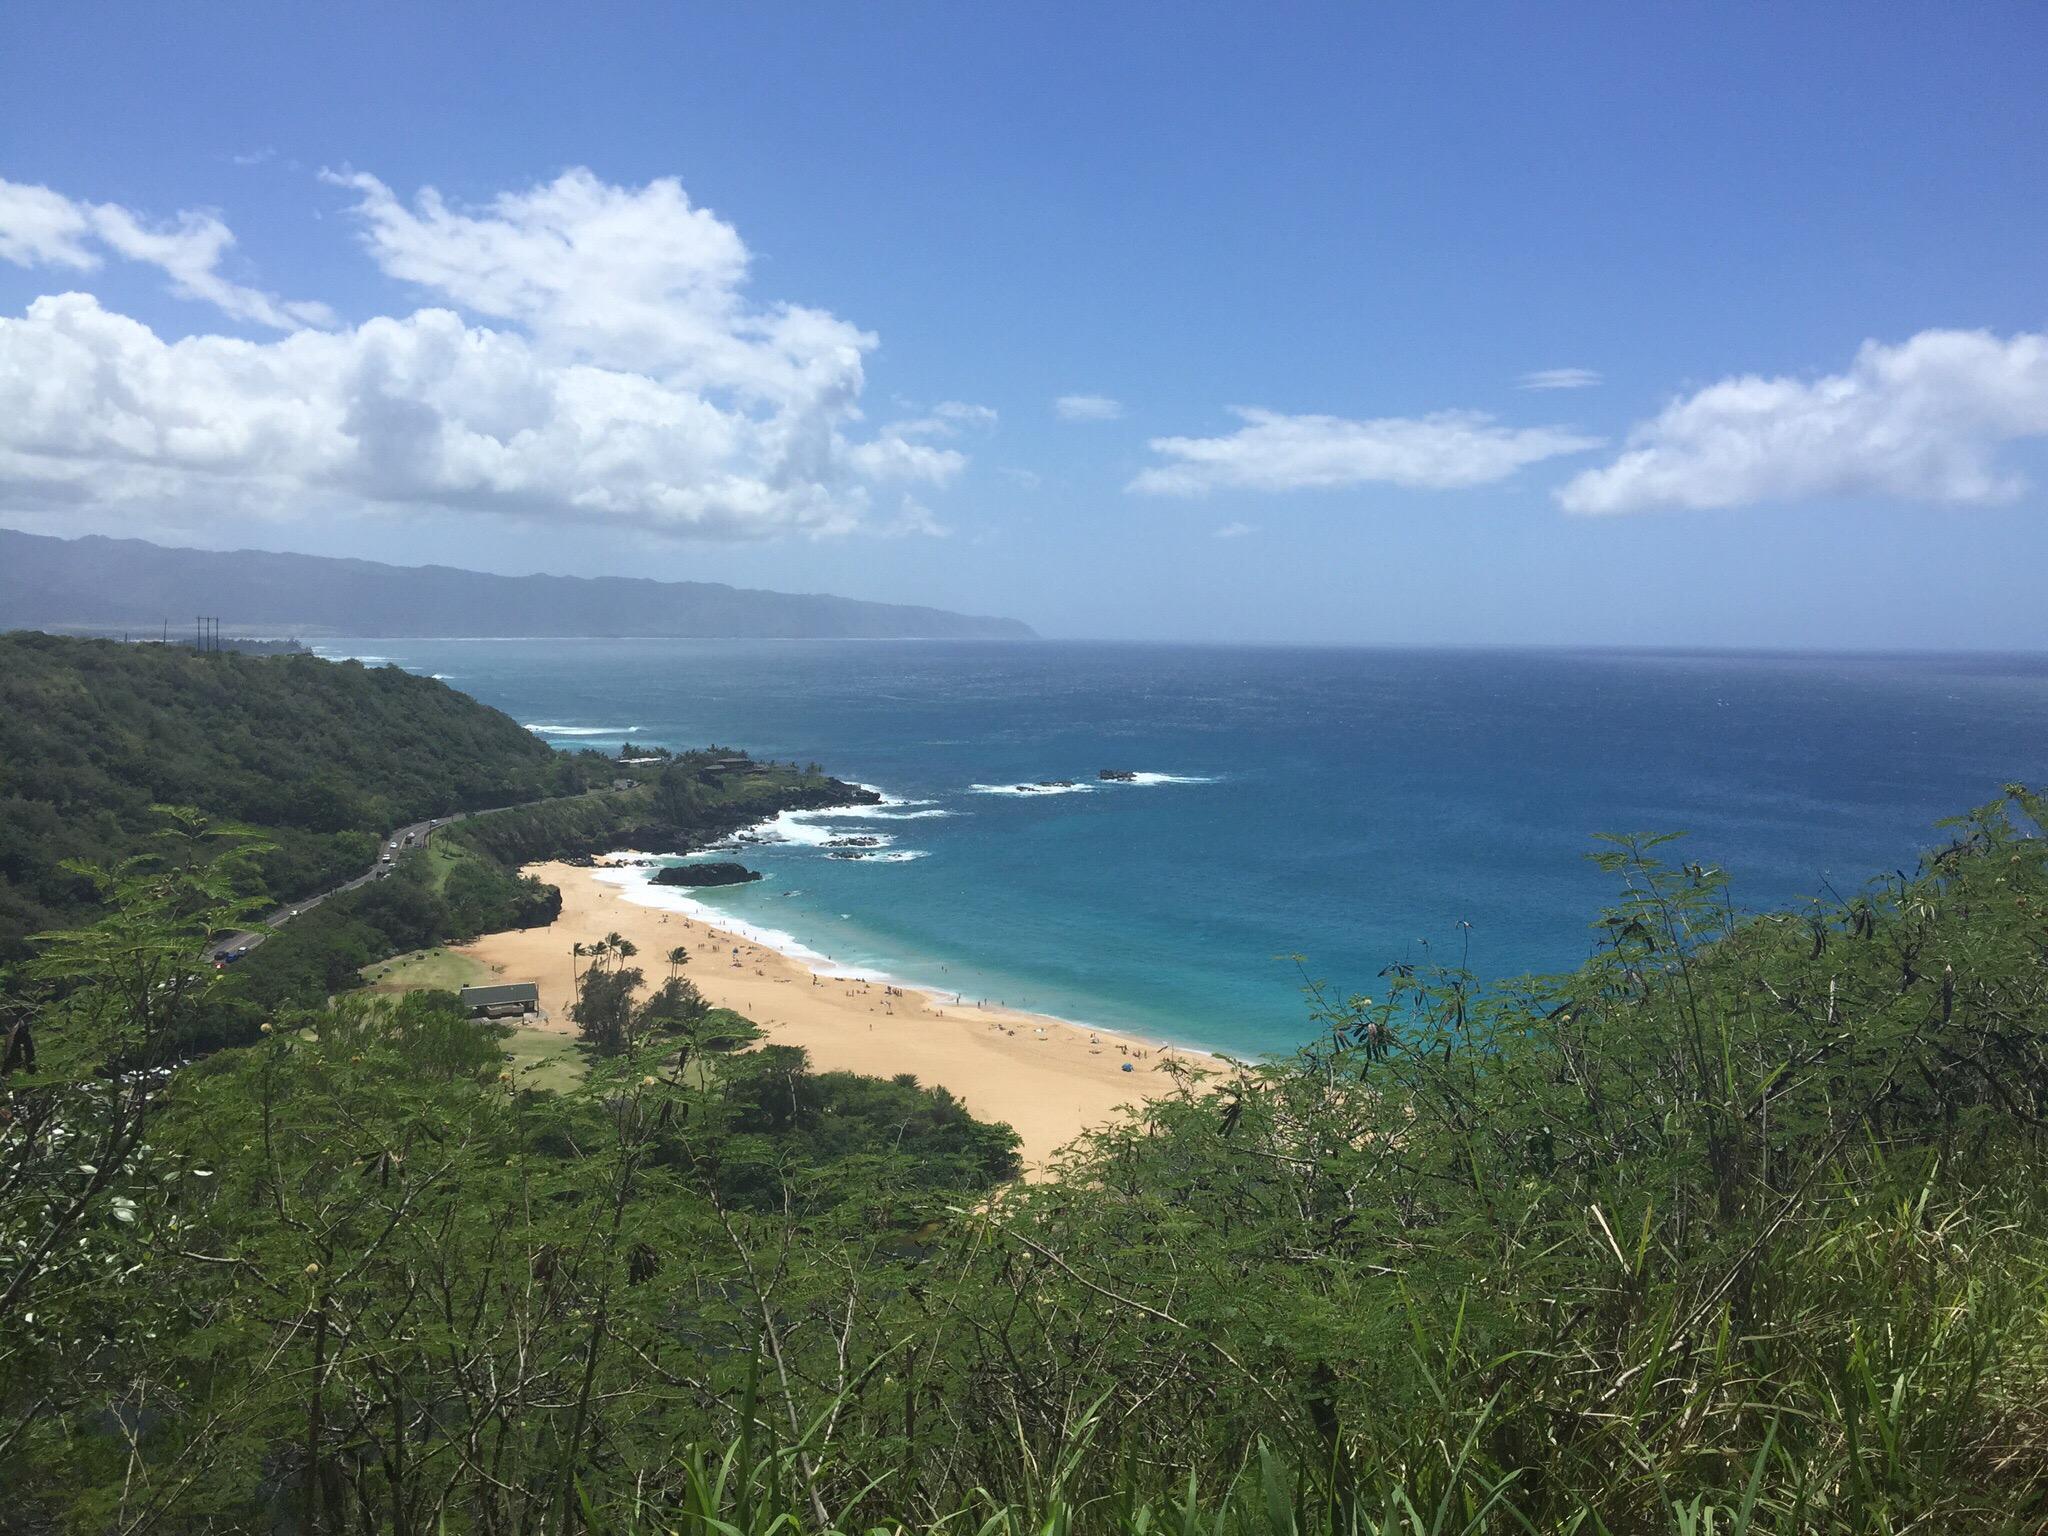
x=1346 y=806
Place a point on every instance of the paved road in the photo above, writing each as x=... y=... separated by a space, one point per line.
x=418 y=831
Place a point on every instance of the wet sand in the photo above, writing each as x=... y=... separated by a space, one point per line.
x=1048 y=1079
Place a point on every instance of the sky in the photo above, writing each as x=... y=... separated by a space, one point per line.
x=1508 y=324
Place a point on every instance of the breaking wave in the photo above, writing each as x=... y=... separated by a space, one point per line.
x=1051 y=787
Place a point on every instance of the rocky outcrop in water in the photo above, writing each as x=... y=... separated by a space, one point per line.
x=705 y=874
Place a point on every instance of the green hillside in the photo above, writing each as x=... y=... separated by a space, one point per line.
x=322 y=756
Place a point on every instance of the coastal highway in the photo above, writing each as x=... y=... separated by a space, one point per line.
x=419 y=831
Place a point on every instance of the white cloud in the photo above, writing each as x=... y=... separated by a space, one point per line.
x=914 y=517
x=1560 y=378
x=39 y=227
x=960 y=413
x=1024 y=479
x=901 y=450
x=896 y=455
x=1087 y=408
x=1236 y=530
x=626 y=277
x=96 y=407
x=1920 y=421
x=1272 y=452
x=628 y=378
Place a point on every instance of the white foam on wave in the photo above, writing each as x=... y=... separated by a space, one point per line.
x=869 y=856
x=583 y=730
x=793 y=827
x=637 y=886
x=1085 y=786
x=811 y=829
x=884 y=812
x=1032 y=789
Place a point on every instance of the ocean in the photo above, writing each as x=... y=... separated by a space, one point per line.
x=1300 y=813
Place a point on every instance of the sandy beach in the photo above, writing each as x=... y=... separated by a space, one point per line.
x=1048 y=1079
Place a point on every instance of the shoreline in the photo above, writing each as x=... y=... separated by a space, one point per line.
x=618 y=869
x=1050 y=1079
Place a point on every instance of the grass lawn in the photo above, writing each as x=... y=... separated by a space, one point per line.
x=543 y=1058
x=441 y=969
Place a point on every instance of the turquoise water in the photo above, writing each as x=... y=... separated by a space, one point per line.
x=1347 y=806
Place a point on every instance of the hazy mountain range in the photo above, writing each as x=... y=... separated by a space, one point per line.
x=103 y=583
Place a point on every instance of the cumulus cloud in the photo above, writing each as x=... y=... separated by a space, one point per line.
x=1087 y=408
x=1560 y=378
x=1273 y=452
x=896 y=454
x=1920 y=421
x=42 y=228
x=910 y=450
x=588 y=353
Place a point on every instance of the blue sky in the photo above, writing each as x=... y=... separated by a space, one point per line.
x=1795 y=253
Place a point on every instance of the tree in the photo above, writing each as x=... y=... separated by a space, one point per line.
x=105 y=1008
x=603 y=1011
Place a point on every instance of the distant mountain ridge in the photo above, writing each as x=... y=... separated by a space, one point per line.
x=101 y=582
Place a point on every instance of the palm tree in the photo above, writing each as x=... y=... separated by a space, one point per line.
x=677 y=959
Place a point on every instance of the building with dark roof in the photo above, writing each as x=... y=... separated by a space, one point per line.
x=506 y=1000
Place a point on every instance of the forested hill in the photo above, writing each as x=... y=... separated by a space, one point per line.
x=322 y=756
x=100 y=582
